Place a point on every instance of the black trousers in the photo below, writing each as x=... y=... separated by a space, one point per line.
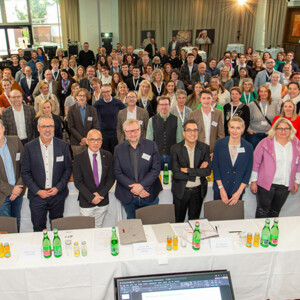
x=269 y=203
x=39 y=208
x=110 y=141
x=191 y=201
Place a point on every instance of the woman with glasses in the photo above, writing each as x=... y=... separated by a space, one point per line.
x=276 y=169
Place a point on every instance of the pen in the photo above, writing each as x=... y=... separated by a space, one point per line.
x=236 y=231
x=217 y=229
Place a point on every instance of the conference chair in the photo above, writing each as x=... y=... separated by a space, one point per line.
x=156 y=214
x=78 y=222
x=217 y=210
x=8 y=224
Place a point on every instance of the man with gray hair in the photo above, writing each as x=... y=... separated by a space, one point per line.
x=46 y=170
x=11 y=183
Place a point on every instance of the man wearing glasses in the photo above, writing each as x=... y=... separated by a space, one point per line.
x=18 y=119
x=190 y=165
x=93 y=177
x=46 y=170
x=136 y=168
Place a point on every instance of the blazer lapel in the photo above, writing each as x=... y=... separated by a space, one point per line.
x=79 y=115
x=13 y=158
x=2 y=168
x=184 y=154
x=197 y=156
x=88 y=166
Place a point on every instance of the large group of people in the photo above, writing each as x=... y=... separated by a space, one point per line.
x=125 y=116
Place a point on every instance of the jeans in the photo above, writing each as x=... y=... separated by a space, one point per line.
x=12 y=209
x=135 y=203
x=165 y=159
x=255 y=138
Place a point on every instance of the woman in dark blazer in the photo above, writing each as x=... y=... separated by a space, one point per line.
x=146 y=98
x=232 y=164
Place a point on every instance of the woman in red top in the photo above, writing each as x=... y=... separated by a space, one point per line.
x=289 y=112
x=5 y=96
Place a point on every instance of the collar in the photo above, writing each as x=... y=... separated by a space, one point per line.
x=5 y=142
x=42 y=144
x=22 y=109
x=128 y=143
x=91 y=152
x=211 y=109
x=188 y=148
x=79 y=106
x=165 y=117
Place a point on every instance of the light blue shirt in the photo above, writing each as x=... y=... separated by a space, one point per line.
x=8 y=163
x=82 y=113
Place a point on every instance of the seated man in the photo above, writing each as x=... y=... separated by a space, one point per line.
x=136 y=168
x=93 y=191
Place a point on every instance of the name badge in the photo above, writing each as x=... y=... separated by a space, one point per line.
x=297 y=160
x=59 y=158
x=18 y=156
x=141 y=122
x=146 y=156
x=240 y=150
x=90 y=118
x=215 y=124
x=264 y=123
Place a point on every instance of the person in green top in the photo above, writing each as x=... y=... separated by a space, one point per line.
x=281 y=57
x=193 y=99
x=248 y=92
x=215 y=99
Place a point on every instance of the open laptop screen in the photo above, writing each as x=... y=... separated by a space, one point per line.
x=211 y=285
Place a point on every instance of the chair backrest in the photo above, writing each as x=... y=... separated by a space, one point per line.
x=217 y=210
x=8 y=224
x=156 y=214
x=77 y=222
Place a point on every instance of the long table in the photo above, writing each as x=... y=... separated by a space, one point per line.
x=257 y=273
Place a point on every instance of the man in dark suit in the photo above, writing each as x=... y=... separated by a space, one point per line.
x=18 y=119
x=174 y=45
x=86 y=82
x=11 y=183
x=289 y=60
x=46 y=170
x=186 y=72
x=201 y=75
x=151 y=48
x=93 y=177
x=190 y=165
x=82 y=117
x=162 y=55
x=28 y=84
x=136 y=168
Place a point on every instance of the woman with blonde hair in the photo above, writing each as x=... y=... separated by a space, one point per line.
x=44 y=89
x=146 y=98
x=96 y=85
x=73 y=65
x=157 y=82
x=257 y=66
x=70 y=100
x=65 y=65
x=80 y=73
x=248 y=92
x=225 y=78
x=45 y=108
x=122 y=91
x=156 y=62
x=59 y=55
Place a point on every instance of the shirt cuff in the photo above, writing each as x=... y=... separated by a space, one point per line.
x=253 y=176
x=297 y=178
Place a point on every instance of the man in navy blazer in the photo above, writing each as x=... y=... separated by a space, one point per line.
x=46 y=170
x=136 y=168
x=28 y=84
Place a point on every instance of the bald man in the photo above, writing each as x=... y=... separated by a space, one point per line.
x=93 y=177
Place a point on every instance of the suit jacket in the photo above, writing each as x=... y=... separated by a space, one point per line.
x=28 y=91
x=150 y=50
x=232 y=175
x=141 y=115
x=37 y=92
x=16 y=152
x=196 y=78
x=33 y=171
x=130 y=85
x=85 y=84
x=148 y=170
x=216 y=127
x=185 y=74
x=177 y=47
x=37 y=77
x=294 y=67
x=180 y=159
x=261 y=76
x=84 y=178
x=76 y=127
x=10 y=124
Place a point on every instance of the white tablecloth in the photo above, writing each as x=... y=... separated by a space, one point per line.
x=238 y=47
x=257 y=273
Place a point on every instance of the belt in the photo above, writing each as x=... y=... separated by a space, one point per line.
x=193 y=188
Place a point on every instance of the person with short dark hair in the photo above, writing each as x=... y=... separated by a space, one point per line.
x=15 y=65
x=212 y=67
x=187 y=71
x=134 y=81
x=86 y=57
x=33 y=61
x=289 y=60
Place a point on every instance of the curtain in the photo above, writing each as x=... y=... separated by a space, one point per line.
x=69 y=11
x=275 y=20
x=163 y=16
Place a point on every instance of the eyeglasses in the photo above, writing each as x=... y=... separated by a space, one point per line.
x=105 y=92
x=81 y=96
x=191 y=130
x=283 y=129
x=132 y=131
x=270 y=62
x=95 y=140
x=131 y=97
x=47 y=127
x=16 y=97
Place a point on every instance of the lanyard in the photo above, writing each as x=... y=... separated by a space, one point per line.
x=247 y=99
x=233 y=112
x=269 y=77
x=7 y=98
x=157 y=88
x=179 y=113
x=262 y=110
x=135 y=83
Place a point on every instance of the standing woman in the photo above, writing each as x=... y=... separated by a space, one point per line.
x=248 y=92
x=167 y=71
x=59 y=55
x=65 y=82
x=232 y=164
x=70 y=100
x=257 y=66
x=287 y=72
x=42 y=56
x=236 y=108
x=80 y=73
x=116 y=78
x=266 y=56
x=122 y=91
x=96 y=85
x=182 y=58
x=243 y=74
x=175 y=77
x=276 y=169
x=157 y=82
x=278 y=90
x=223 y=94
x=5 y=96
x=193 y=100
x=73 y=65
x=146 y=98
x=170 y=90
x=65 y=65
x=262 y=112
x=281 y=57
x=14 y=84
x=226 y=79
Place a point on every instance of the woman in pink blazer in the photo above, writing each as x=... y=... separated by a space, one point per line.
x=276 y=169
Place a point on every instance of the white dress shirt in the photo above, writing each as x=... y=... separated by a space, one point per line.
x=20 y=123
x=131 y=115
x=207 y=125
x=28 y=79
x=98 y=158
x=191 y=154
x=47 y=154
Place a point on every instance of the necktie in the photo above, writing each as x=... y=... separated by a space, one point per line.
x=95 y=170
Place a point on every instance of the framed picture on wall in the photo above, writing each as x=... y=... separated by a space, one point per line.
x=146 y=36
x=205 y=36
x=184 y=37
x=296 y=26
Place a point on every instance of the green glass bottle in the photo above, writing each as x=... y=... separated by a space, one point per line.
x=274 y=234
x=265 y=234
x=196 y=237
x=114 y=243
x=166 y=174
x=46 y=245
x=56 y=244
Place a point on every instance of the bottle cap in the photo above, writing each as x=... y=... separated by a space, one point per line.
x=55 y=230
x=83 y=242
x=45 y=231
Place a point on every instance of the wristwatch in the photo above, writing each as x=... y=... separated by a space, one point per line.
x=220 y=186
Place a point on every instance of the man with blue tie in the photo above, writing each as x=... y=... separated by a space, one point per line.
x=93 y=177
x=46 y=170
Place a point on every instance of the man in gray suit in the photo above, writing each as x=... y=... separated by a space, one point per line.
x=132 y=112
x=201 y=75
x=11 y=183
x=18 y=119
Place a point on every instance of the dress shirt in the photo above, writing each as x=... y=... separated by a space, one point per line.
x=191 y=154
x=50 y=86
x=98 y=159
x=20 y=123
x=174 y=45
x=82 y=113
x=190 y=70
x=28 y=80
x=207 y=125
x=8 y=164
x=47 y=154
x=131 y=115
